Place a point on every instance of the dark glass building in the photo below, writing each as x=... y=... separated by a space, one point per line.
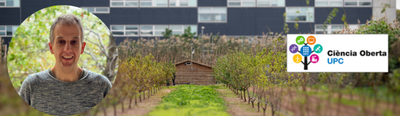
x=148 y=18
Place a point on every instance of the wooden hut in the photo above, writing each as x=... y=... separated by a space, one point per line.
x=188 y=72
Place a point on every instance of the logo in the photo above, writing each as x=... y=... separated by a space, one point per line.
x=305 y=51
x=337 y=53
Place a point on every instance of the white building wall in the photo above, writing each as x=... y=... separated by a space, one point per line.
x=390 y=13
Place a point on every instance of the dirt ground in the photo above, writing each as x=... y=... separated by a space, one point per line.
x=237 y=106
x=292 y=104
x=141 y=109
x=318 y=106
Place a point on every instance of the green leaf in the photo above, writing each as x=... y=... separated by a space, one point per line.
x=383 y=10
x=93 y=26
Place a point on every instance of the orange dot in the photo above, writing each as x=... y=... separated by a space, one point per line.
x=311 y=40
x=297 y=58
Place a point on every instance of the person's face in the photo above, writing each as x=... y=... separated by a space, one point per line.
x=67 y=45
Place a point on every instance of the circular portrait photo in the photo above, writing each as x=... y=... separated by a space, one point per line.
x=62 y=60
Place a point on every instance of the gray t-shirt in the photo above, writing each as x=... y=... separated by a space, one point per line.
x=47 y=94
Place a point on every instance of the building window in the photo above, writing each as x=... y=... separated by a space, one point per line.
x=328 y=2
x=8 y=30
x=358 y=2
x=354 y=26
x=153 y=3
x=262 y=3
x=330 y=29
x=241 y=2
x=303 y=14
x=146 y=30
x=145 y=2
x=193 y=28
x=176 y=29
x=234 y=2
x=124 y=3
x=158 y=29
x=212 y=14
x=319 y=29
x=97 y=9
x=180 y=29
x=149 y=30
x=125 y=30
x=182 y=3
x=131 y=30
x=161 y=3
x=253 y=3
x=9 y=3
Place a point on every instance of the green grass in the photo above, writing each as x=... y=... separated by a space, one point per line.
x=357 y=92
x=349 y=102
x=189 y=100
x=217 y=86
x=324 y=95
x=171 y=86
x=226 y=91
x=381 y=93
x=387 y=112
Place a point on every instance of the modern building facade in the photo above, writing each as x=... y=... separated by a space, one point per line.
x=148 y=18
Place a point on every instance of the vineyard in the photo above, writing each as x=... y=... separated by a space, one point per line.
x=251 y=72
x=261 y=80
x=142 y=74
x=255 y=70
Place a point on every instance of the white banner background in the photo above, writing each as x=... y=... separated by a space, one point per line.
x=343 y=42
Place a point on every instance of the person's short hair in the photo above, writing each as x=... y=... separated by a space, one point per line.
x=66 y=19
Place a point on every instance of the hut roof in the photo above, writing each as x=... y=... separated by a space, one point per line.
x=193 y=62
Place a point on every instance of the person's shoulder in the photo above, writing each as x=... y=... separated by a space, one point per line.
x=37 y=77
x=98 y=78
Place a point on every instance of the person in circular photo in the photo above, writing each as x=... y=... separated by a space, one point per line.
x=62 y=60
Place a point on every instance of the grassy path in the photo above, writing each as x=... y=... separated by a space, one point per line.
x=188 y=100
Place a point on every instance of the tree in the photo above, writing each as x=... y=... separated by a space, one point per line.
x=187 y=34
x=167 y=33
x=344 y=18
x=398 y=15
x=381 y=27
x=285 y=25
x=111 y=61
x=331 y=15
x=296 y=25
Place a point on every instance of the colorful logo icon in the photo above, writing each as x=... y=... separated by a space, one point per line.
x=300 y=40
x=293 y=48
x=311 y=40
x=297 y=58
x=318 y=48
x=314 y=58
x=305 y=51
